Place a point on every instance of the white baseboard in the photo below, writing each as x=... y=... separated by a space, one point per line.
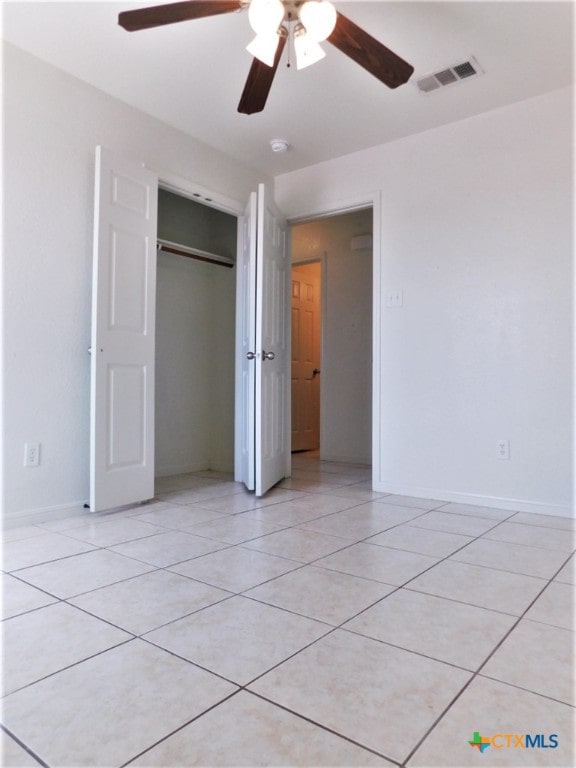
x=44 y=514
x=496 y=502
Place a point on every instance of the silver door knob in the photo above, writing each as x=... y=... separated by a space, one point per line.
x=250 y=355
x=268 y=355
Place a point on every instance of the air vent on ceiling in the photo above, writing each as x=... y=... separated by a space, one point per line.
x=449 y=76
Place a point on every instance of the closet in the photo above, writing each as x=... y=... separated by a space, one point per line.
x=195 y=330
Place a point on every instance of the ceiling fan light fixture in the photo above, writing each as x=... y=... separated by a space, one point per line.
x=265 y=16
x=307 y=50
x=319 y=17
x=264 y=47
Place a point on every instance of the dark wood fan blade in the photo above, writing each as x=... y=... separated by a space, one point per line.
x=158 y=15
x=369 y=53
x=259 y=82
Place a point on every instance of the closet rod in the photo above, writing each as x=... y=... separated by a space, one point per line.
x=193 y=253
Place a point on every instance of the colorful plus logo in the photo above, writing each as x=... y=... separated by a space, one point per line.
x=479 y=741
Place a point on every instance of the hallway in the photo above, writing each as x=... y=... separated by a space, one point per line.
x=322 y=625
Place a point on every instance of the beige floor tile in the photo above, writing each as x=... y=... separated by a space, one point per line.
x=450 y=523
x=201 y=492
x=303 y=546
x=18 y=597
x=108 y=709
x=178 y=517
x=518 y=558
x=384 y=698
x=246 y=731
x=443 y=629
x=114 y=532
x=537 y=657
x=358 y=493
x=169 y=548
x=82 y=573
x=490 y=708
x=233 y=530
x=238 y=638
x=310 y=486
x=546 y=521
x=476 y=585
x=40 y=549
x=231 y=504
x=491 y=513
x=149 y=601
x=41 y=642
x=423 y=541
x=285 y=514
x=360 y=522
x=21 y=532
x=324 y=504
x=235 y=569
x=410 y=501
x=328 y=596
x=567 y=574
x=534 y=536
x=369 y=561
x=555 y=606
x=13 y=755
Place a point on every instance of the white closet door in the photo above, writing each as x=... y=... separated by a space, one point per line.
x=123 y=330
x=245 y=347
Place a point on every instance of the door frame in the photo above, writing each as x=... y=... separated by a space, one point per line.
x=319 y=259
x=326 y=210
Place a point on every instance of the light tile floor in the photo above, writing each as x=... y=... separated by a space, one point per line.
x=323 y=625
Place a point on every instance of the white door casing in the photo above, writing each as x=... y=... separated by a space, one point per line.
x=123 y=332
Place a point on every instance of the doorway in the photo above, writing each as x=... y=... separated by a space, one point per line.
x=341 y=247
x=195 y=319
x=306 y=355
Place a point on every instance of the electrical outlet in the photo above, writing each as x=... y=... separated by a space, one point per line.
x=395 y=298
x=503 y=449
x=31 y=454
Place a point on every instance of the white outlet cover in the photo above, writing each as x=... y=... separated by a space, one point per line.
x=395 y=298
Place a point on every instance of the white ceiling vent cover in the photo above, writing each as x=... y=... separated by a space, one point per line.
x=449 y=76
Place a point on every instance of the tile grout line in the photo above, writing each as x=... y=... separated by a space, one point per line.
x=479 y=669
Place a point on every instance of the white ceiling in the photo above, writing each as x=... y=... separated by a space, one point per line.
x=191 y=75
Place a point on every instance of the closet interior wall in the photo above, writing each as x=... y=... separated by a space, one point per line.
x=195 y=321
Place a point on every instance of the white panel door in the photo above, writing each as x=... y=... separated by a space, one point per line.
x=306 y=345
x=244 y=465
x=123 y=330
x=272 y=409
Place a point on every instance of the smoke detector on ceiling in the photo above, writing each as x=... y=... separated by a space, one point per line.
x=449 y=76
x=279 y=145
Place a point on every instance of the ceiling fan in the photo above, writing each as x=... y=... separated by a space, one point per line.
x=308 y=21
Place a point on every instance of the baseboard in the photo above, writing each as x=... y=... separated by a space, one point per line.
x=43 y=514
x=496 y=502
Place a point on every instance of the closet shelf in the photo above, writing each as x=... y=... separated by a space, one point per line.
x=193 y=253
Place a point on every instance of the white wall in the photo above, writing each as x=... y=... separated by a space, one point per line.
x=52 y=123
x=347 y=332
x=476 y=230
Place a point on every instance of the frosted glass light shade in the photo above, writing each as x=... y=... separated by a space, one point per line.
x=319 y=18
x=307 y=51
x=264 y=47
x=265 y=16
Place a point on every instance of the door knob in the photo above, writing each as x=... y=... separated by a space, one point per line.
x=315 y=372
x=268 y=355
x=250 y=355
